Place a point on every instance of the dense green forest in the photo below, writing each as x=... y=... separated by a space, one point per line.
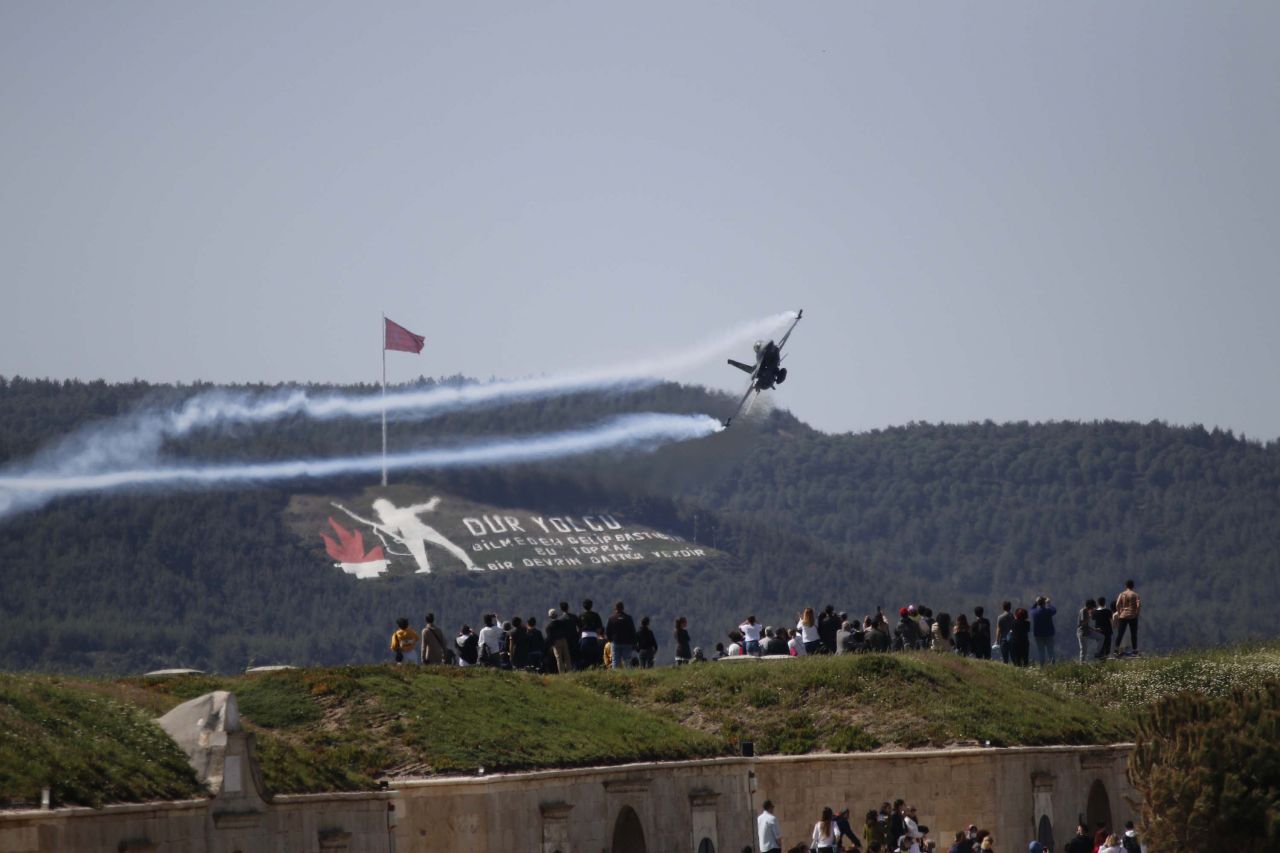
x=951 y=516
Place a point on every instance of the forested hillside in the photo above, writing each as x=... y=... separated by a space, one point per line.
x=947 y=515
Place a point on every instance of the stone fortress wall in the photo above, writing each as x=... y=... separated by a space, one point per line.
x=660 y=807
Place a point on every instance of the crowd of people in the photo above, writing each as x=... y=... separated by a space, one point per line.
x=896 y=829
x=585 y=639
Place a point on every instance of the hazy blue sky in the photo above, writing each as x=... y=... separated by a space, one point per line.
x=988 y=210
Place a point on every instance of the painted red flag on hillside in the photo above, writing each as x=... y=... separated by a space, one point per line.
x=397 y=337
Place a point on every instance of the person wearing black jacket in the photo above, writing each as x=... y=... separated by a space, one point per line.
x=1081 y=843
x=646 y=644
x=537 y=644
x=828 y=627
x=681 y=634
x=1102 y=621
x=621 y=633
x=980 y=635
x=590 y=646
x=468 y=646
x=574 y=636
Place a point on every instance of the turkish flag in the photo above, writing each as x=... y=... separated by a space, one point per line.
x=397 y=337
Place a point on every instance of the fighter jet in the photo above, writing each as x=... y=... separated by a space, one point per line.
x=767 y=372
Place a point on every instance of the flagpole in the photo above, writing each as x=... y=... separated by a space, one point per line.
x=384 y=400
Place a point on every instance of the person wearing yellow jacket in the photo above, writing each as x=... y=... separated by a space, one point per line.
x=403 y=640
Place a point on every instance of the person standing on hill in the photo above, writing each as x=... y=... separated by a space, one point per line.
x=684 y=650
x=1128 y=604
x=1020 y=638
x=751 y=631
x=774 y=643
x=403 y=640
x=621 y=632
x=1004 y=631
x=646 y=644
x=1086 y=633
x=1102 y=622
x=432 y=641
x=589 y=647
x=980 y=635
x=808 y=629
x=559 y=630
x=828 y=626
x=573 y=636
x=492 y=641
x=1042 y=628
x=468 y=646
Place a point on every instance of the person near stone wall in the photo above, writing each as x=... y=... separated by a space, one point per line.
x=768 y=831
x=825 y=835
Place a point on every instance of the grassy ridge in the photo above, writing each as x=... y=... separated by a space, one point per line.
x=342 y=728
x=86 y=746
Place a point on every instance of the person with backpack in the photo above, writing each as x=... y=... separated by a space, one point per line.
x=403 y=639
x=433 y=645
x=467 y=645
x=980 y=635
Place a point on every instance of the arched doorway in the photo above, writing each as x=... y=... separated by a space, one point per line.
x=628 y=834
x=1099 y=809
x=1044 y=833
x=706 y=846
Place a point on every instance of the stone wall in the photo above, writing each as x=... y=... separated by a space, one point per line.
x=321 y=823
x=666 y=807
x=678 y=806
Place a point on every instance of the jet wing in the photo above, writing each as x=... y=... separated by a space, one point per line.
x=746 y=368
x=794 y=322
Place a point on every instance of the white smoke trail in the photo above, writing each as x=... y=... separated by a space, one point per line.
x=133 y=440
x=629 y=432
x=220 y=407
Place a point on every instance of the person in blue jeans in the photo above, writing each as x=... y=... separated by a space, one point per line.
x=1042 y=629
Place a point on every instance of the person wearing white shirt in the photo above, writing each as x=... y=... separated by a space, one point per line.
x=768 y=832
x=808 y=628
x=751 y=635
x=491 y=639
x=826 y=835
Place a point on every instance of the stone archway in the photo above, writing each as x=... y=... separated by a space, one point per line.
x=706 y=846
x=1044 y=832
x=628 y=834
x=1098 y=811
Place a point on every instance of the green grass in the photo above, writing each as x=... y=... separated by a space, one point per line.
x=86 y=746
x=343 y=728
x=862 y=702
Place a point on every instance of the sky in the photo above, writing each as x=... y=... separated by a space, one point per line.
x=994 y=210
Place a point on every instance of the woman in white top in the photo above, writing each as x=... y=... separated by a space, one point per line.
x=808 y=629
x=826 y=835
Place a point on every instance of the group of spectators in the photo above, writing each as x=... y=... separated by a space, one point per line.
x=917 y=627
x=586 y=639
x=896 y=829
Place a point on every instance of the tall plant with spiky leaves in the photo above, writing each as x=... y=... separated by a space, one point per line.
x=1209 y=771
